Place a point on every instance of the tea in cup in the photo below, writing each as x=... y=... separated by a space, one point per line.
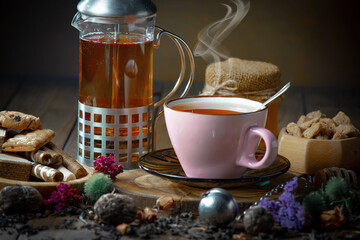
x=217 y=137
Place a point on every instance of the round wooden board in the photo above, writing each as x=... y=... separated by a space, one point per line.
x=46 y=188
x=146 y=188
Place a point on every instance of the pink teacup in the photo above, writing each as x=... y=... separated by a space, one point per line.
x=220 y=141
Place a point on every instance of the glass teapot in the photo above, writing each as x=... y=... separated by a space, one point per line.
x=115 y=107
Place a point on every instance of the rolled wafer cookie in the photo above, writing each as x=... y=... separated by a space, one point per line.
x=44 y=156
x=68 y=176
x=38 y=156
x=56 y=158
x=71 y=164
x=48 y=174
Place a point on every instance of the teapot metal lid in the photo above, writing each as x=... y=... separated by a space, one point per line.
x=116 y=8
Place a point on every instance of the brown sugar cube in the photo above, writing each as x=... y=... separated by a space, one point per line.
x=329 y=122
x=341 y=118
x=301 y=120
x=293 y=129
x=308 y=124
x=315 y=115
x=338 y=135
x=312 y=131
x=347 y=129
x=326 y=130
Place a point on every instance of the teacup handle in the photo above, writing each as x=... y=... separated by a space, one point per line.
x=247 y=159
x=181 y=45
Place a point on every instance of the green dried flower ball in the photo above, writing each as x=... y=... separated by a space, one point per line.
x=336 y=188
x=98 y=185
x=314 y=204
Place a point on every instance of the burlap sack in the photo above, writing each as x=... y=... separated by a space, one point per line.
x=242 y=78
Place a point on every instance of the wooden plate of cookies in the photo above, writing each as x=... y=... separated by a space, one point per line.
x=28 y=157
x=46 y=188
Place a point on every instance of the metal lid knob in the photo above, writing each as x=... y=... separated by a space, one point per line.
x=116 y=8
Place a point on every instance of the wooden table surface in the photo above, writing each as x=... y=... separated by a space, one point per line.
x=54 y=100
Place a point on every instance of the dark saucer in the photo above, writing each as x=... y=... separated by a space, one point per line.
x=164 y=163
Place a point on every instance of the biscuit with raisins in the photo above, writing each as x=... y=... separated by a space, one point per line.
x=19 y=120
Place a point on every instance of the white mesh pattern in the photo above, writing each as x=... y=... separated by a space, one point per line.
x=125 y=133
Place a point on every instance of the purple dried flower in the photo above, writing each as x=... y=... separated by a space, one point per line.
x=291 y=185
x=105 y=164
x=287 y=211
x=272 y=206
x=291 y=215
x=287 y=198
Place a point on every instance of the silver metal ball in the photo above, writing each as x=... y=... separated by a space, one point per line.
x=218 y=207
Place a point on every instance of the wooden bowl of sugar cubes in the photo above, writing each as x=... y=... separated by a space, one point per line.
x=315 y=142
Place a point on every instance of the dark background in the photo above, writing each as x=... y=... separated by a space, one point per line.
x=314 y=42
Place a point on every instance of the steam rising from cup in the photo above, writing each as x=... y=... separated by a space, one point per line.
x=209 y=45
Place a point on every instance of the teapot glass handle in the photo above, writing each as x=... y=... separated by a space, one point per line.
x=181 y=45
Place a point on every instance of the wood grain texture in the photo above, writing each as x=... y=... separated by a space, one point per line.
x=332 y=100
x=292 y=107
x=8 y=89
x=56 y=103
x=146 y=188
x=46 y=188
x=310 y=155
x=71 y=145
x=53 y=101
